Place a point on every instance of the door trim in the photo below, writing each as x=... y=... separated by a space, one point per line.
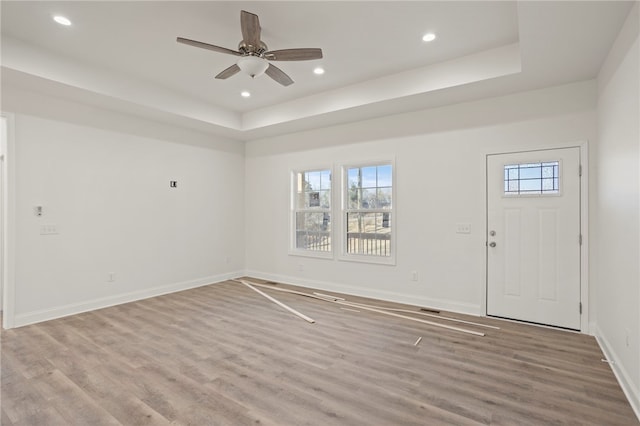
x=586 y=325
x=9 y=228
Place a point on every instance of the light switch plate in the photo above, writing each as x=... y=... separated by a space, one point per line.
x=463 y=228
x=48 y=229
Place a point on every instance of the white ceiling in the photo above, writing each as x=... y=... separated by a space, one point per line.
x=123 y=55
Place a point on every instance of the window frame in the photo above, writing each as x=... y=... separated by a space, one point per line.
x=293 y=209
x=344 y=255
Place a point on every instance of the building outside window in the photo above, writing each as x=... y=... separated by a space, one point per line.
x=311 y=212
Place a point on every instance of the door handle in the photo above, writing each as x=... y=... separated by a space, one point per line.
x=492 y=244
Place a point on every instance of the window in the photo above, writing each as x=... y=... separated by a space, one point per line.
x=532 y=178
x=368 y=212
x=311 y=211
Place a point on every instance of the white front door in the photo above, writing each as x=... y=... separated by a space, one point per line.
x=533 y=236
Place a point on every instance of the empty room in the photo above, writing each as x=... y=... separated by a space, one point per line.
x=320 y=212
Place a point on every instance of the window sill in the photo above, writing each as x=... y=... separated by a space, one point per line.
x=313 y=254
x=376 y=260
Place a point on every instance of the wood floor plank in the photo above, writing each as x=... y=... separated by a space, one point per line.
x=220 y=355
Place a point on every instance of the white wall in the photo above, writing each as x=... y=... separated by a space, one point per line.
x=440 y=170
x=108 y=194
x=617 y=273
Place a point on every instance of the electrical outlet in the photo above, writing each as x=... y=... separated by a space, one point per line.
x=627 y=338
x=300 y=267
x=414 y=275
x=111 y=277
x=226 y=259
x=463 y=228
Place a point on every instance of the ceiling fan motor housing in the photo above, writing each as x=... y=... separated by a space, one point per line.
x=249 y=49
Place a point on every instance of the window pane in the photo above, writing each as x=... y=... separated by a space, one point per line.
x=384 y=198
x=369 y=234
x=547 y=171
x=325 y=199
x=313 y=181
x=530 y=173
x=312 y=221
x=547 y=184
x=368 y=222
x=354 y=198
x=514 y=173
x=313 y=231
x=311 y=190
x=369 y=177
x=530 y=185
x=325 y=179
x=353 y=179
x=313 y=199
x=384 y=176
x=368 y=200
x=353 y=222
x=386 y=222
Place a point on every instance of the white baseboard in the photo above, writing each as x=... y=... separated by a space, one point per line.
x=445 y=305
x=118 y=299
x=628 y=387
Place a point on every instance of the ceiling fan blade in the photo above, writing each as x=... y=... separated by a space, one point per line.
x=278 y=75
x=250 y=25
x=294 y=54
x=232 y=70
x=208 y=46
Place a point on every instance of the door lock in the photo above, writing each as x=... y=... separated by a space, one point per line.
x=492 y=244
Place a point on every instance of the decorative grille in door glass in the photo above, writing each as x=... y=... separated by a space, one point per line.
x=531 y=178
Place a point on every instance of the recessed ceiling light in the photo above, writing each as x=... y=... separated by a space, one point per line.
x=318 y=71
x=429 y=37
x=62 y=20
x=245 y=94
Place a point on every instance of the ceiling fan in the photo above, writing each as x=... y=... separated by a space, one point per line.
x=254 y=54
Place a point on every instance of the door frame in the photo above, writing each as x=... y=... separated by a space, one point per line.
x=8 y=222
x=585 y=325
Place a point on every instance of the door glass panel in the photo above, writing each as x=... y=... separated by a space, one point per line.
x=532 y=178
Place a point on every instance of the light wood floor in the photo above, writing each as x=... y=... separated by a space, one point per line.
x=223 y=354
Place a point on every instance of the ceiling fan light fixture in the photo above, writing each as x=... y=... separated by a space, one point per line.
x=254 y=66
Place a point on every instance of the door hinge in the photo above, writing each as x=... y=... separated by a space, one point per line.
x=580 y=170
x=580 y=239
x=580 y=307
